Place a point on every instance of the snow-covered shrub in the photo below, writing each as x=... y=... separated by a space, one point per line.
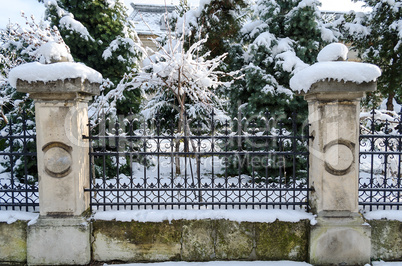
x=19 y=45
x=100 y=36
x=279 y=39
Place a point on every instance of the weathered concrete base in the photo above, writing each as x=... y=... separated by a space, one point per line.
x=340 y=240
x=55 y=241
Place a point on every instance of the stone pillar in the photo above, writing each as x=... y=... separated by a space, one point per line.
x=62 y=235
x=340 y=235
x=333 y=90
x=334 y=111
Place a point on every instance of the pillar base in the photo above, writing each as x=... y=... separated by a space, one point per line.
x=340 y=238
x=55 y=241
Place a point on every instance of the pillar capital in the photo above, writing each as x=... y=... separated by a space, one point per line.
x=57 y=81
x=59 y=90
x=331 y=90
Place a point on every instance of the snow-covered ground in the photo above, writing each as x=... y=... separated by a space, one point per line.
x=244 y=263
x=267 y=216
x=383 y=263
x=222 y=263
x=264 y=216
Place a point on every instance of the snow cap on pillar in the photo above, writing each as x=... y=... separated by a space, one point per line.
x=333 y=52
x=55 y=66
x=332 y=67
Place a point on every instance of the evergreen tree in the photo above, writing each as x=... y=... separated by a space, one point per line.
x=281 y=38
x=100 y=36
x=218 y=21
x=18 y=46
x=377 y=36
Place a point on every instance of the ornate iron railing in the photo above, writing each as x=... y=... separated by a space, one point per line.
x=252 y=165
x=18 y=169
x=138 y=165
x=380 y=184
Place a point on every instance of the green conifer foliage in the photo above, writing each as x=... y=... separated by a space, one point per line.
x=100 y=36
x=281 y=39
x=377 y=35
x=219 y=20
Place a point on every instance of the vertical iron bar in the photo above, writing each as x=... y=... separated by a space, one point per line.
x=172 y=161
x=212 y=159
x=131 y=151
x=239 y=149
x=385 y=181
x=227 y=143
x=267 y=118
x=198 y=158
x=253 y=130
x=11 y=163
x=144 y=147
x=24 y=152
x=186 y=150
x=372 y=149
x=281 y=175
x=158 y=150
x=398 y=185
x=117 y=126
x=294 y=142
x=103 y=143
x=91 y=164
x=308 y=165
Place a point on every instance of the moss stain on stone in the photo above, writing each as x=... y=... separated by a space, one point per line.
x=234 y=240
x=386 y=239
x=13 y=242
x=141 y=233
x=282 y=240
x=198 y=240
x=146 y=241
x=203 y=240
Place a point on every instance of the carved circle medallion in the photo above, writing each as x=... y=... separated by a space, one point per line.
x=339 y=157
x=57 y=159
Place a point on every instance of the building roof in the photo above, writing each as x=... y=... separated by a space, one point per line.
x=150 y=19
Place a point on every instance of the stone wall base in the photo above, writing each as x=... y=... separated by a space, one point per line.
x=199 y=240
x=55 y=241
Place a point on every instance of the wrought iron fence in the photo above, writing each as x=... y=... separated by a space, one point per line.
x=212 y=164
x=18 y=168
x=256 y=164
x=380 y=184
